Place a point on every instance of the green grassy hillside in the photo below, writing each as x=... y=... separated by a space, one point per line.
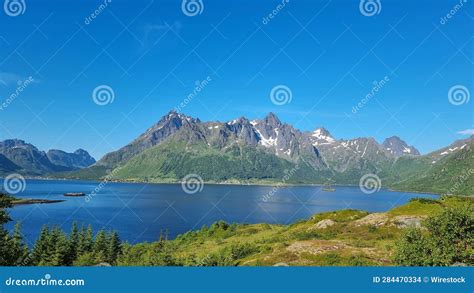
x=453 y=174
x=340 y=238
x=171 y=161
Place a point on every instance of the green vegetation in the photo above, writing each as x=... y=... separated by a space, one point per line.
x=171 y=161
x=448 y=240
x=452 y=174
x=91 y=173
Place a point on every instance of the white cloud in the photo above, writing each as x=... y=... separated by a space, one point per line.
x=467 y=132
x=7 y=78
x=12 y=79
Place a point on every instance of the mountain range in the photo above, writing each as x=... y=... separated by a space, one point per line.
x=244 y=149
x=21 y=157
x=260 y=151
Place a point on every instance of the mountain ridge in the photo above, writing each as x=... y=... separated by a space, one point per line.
x=16 y=155
x=281 y=138
x=326 y=156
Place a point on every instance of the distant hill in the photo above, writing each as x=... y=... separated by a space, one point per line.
x=77 y=160
x=21 y=157
x=7 y=166
x=449 y=171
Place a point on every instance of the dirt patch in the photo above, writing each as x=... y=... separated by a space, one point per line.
x=376 y=219
x=315 y=246
x=322 y=225
x=408 y=221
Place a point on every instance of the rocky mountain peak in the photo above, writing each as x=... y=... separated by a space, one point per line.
x=322 y=134
x=15 y=143
x=240 y=120
x=169 y=124
x=81 y=152
x=175 y=116
x=85 y=157
x=399 y=148
x=272 y=120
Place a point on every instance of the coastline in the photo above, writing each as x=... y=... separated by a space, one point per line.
x=253 y=183
x=35 y=201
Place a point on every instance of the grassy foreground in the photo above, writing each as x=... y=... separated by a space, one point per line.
x=341 y=238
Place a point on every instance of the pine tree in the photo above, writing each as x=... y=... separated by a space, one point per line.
x=73 y=242
x=114 y=248
x=41 y=250
x=81 y=240
x=100 y=247
x=18 y=249
x=59 y=247
x=88 y=240
x=5 y=202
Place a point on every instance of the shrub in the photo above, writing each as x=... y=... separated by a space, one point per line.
x=449 y=239
x=425 y=200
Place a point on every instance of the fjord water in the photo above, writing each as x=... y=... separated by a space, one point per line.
x=138 y=212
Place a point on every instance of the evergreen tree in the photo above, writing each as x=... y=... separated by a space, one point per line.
x=88 y=240
x=59 y=247
x=41 y=250
x=19 y=250
x=100 y=247
x=86 y=259
x=81 y=240
x=114 y=248
x=73 y=243
x=5 y=202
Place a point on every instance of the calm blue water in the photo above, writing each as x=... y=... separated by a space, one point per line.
x=139 y=211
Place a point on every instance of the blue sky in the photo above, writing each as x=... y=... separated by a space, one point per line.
x=151 y=54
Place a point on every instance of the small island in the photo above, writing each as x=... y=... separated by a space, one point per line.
x=72 y=194
x=9 y=200
x=34 y=201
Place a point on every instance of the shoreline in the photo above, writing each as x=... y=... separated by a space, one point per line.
x=35 y=201
x=267 y=184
